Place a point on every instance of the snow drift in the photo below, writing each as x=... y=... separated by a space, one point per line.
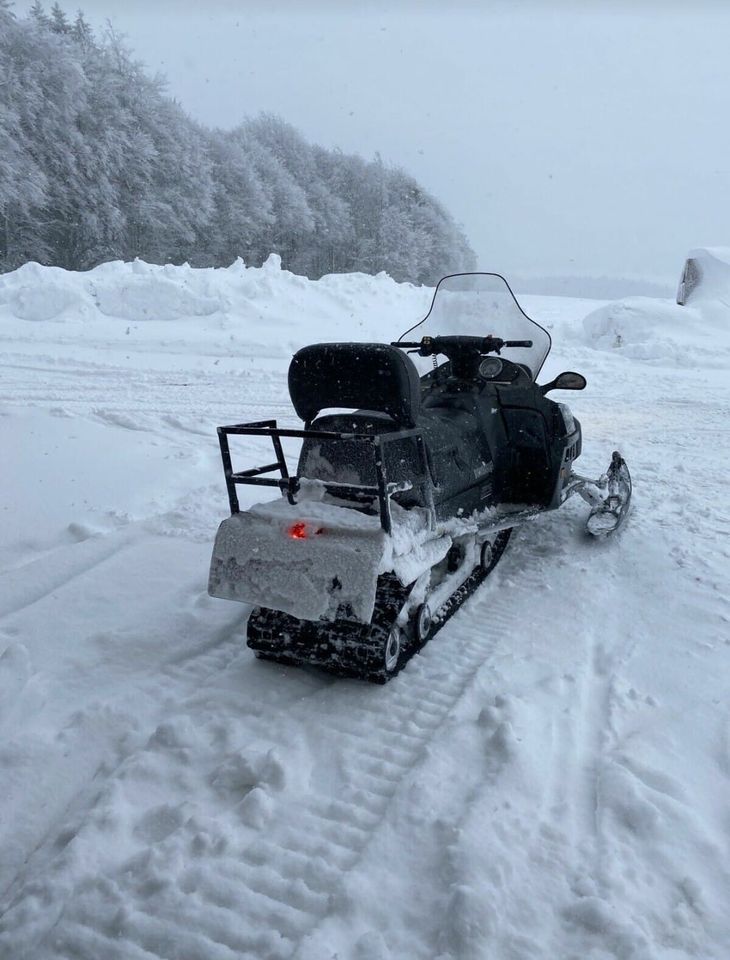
x=223 y=306
x=685 y=333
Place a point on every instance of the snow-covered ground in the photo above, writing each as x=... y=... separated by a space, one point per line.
x=549 y=779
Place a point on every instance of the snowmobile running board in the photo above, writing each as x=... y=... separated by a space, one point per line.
x=381 y=491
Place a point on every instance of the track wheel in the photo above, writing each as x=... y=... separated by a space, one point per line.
x=486 y=556
x=422 y=623
x=392 y=649
x=492 y=550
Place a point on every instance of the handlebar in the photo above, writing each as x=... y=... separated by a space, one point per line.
x=428 y=346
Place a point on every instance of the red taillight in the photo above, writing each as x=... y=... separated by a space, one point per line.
x=300 y=531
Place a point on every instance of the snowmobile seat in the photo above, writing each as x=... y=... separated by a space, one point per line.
x=357 y=376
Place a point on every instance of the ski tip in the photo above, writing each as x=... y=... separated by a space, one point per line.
x=611 y=514
x=605 y=522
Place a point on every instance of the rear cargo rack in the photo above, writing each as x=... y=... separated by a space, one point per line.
x=290 y=485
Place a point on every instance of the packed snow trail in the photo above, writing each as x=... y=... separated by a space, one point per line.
x=548 y=778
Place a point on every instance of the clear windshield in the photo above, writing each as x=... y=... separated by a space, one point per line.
x=480 y=304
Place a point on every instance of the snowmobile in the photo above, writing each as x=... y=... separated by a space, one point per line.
x=410 y=479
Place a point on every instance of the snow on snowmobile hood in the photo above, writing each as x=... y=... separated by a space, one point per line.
x=480 y=304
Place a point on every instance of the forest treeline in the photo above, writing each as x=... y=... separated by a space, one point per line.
x=98 y=163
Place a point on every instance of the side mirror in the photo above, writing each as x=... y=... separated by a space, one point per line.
x=565 y=381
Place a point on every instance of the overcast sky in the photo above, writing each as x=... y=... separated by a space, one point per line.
x=566 y=138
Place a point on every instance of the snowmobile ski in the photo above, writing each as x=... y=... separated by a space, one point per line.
x=606 y=517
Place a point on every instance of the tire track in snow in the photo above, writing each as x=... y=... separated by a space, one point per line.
x=560 y=818
x=74 y=801
x=587 y=738
x=260 y=898
x=387 y=734
x=584 y=736
x=125 y=391
x=31 y=583
x=173 y=682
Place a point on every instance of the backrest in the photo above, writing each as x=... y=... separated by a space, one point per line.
x=371 y=376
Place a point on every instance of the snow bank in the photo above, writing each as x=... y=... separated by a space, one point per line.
x=689 y=332
x=43 y=303
x=641 y=328
x=153 y=298
x=661 y=332
x=267 y=306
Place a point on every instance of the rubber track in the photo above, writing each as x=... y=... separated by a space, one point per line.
x=349 y=648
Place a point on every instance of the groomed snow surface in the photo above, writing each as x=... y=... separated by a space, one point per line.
x=549 y=779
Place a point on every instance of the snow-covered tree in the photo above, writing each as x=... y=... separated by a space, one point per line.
x=242 y=208
x=290 y=224
x=23 y=183
x=59 y=20
x=81 y=31
x=97 y=162
x=38 y=13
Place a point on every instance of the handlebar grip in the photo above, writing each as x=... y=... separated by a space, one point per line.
x=518 y=343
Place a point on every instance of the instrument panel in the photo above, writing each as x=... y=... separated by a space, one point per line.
x=497 y=370
x=490 y=368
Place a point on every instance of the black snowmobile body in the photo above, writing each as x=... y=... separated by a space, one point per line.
x=443 y=461
x=489 y=439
